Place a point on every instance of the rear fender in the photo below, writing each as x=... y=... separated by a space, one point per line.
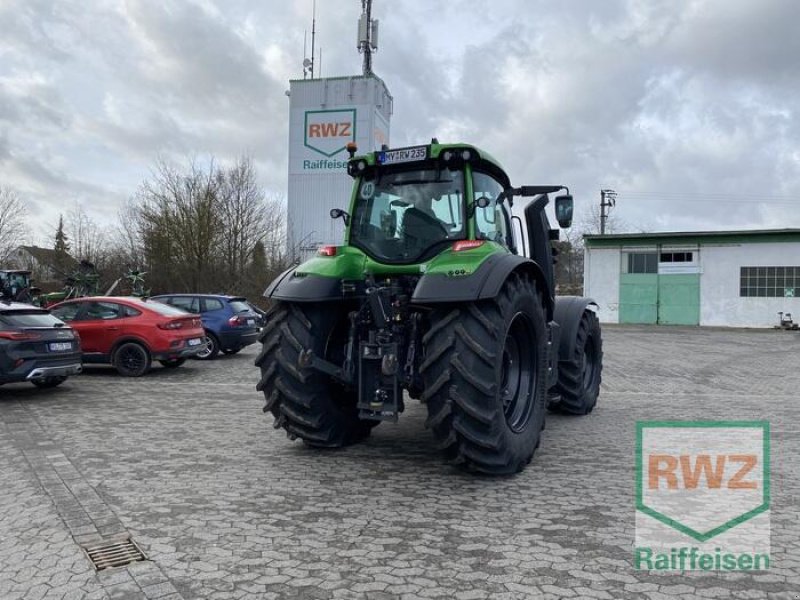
x=483 y=284
x=288 y=286
x=568 y=314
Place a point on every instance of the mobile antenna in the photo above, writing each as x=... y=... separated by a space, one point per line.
x=367 y=35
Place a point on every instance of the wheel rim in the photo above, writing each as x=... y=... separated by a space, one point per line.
x=518 y=373
x=132 y=359
x=208 y=348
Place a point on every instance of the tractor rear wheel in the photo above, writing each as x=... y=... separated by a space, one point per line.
x=485 y=375
x=579 y=377
x=309 y=405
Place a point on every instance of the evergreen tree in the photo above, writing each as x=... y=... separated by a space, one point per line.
x=62 y=241
x=61 y=246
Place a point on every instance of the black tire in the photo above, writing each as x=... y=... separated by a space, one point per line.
x=231 y=351
x=304 y=402
x=476 y=355
x=211 y=349
x=131 y=360
x=579 y=377
x=173 y=363
x=49 y=382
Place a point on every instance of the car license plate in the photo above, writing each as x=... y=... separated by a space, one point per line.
x=251 y=321
x=194 y=342
x=60 y=346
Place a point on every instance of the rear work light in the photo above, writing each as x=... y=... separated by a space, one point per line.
x=467 y=245
x=327 y=251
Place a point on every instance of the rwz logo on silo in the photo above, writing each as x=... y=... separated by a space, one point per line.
x=329 y=131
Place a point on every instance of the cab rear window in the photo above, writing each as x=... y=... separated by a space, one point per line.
x=32 y=318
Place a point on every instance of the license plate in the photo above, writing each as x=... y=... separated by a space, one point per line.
x=402 y=155
x=251 y=321
x=194 y=342
x=60 y=346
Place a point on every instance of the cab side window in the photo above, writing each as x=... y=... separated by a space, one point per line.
x=491 y=222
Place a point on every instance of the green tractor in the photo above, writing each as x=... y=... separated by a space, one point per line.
x=438 y=293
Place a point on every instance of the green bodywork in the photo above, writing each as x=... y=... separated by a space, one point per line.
x=351 y=263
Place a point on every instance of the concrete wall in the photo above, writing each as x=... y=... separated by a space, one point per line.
x=601 y=270
x=720 y=303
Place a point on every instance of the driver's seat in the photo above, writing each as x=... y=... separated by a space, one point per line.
x=420 y=230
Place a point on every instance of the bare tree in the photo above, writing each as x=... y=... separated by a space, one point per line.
x=87 y=240
x=200 y=228
x=12 y=221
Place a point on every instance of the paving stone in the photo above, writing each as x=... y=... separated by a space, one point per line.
x=227 y=508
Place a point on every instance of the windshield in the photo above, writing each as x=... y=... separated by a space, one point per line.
x=405 y=215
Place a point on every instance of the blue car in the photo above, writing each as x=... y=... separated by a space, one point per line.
x=229 y=321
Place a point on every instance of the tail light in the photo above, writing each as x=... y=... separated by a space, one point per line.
x=19 y=336
x=237 y=321
x=467 y=245
x=327 y=251
x=171 y=325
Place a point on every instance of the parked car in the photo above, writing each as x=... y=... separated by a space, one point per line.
x=130 y=333
x=229 y=321
x=36 y=346
x=261 y=319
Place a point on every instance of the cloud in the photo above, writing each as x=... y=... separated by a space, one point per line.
x=681 y=106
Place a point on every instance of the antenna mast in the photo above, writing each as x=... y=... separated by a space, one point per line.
x=367 y=35
x=313 y=34
x=308 y=63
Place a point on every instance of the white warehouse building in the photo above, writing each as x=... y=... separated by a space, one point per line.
x=719 y=278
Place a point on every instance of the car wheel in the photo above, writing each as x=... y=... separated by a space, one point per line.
x=210 y=348
x=172 y=363
x=231 y=350
x=131 y=360
x=49 y=382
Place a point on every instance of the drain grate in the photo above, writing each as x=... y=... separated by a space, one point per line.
x=116 y=553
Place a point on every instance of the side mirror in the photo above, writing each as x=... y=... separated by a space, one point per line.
x=337 y=213
x=564 y=207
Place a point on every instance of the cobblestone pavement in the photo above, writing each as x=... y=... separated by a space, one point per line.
x=226 y=507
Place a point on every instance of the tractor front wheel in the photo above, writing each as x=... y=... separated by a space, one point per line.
x=485 y=375
x=309 y=405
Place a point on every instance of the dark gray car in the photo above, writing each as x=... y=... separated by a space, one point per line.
x=35 y=346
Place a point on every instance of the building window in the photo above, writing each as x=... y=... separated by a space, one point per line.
x=676 y=257
x=769 y=282
x=642 y=262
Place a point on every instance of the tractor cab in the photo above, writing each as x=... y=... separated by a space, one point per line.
x=15 y=285
x=410 y=204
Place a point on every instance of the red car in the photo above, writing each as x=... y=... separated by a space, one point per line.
x=130 y=333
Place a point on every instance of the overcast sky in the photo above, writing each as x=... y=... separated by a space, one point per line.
x=688 y=109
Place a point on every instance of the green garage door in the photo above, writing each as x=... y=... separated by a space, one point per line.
x=679 y=299
x=638 y=298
